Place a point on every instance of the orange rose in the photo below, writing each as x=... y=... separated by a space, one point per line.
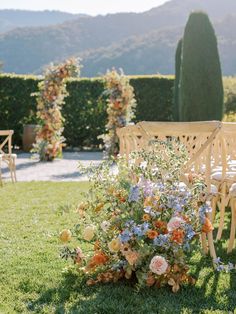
x=207 y=227
x=98 y=259
x=162 y=225
x=152 y=234
x=177 y=236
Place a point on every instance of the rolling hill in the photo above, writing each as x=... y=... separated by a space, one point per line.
x=141 y=43
x=11 y=19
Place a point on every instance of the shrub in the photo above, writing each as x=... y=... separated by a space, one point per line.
x=154 y=96
x=85 y=107
x=177 y=79
x=17 y=107
x=201 y=88
x=230 y=95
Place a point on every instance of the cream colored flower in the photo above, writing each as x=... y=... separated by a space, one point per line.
x=114 y=245
x=105 y=225
x=88 y=233
x=158 y=265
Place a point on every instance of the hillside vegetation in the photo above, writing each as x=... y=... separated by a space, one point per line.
x=141 y=43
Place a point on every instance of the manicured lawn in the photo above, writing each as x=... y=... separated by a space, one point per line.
x=31 y=277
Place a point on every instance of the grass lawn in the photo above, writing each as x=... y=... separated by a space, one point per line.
x=31 y=277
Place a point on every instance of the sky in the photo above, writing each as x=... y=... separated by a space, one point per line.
x=92 y=7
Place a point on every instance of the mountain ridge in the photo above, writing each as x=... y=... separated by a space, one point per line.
x=120 y=40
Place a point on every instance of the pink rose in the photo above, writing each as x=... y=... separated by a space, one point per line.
x=175 y=223
x=158 y=265
x=79 y=255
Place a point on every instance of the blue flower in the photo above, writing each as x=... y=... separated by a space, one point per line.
x=125 y=236
x=205 y=208
x=161 y=240
x=134 y=194
x=129 y=223
x=137 y=230
x=190 y=233
x=145 y=227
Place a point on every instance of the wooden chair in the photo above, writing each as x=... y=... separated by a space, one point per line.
x=6 y=154
x=200 y=140
x=226 y=180
x=130 y=139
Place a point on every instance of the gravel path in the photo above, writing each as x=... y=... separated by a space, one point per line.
x=28 y=169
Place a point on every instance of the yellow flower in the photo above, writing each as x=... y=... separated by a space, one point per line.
x=88 y=233
x=114 y=245
x=146 y=217
x=99 y=207
x=65 y=235
x=148 y=201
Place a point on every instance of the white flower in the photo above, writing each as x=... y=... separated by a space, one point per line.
x=105 y=225
x=143 y=165
x=158 y=265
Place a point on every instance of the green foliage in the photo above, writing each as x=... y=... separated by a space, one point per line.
x=201 y=88
x=84 y=112
x=85 y=107
x=17 y=107
x=177 y=79
x=154 y=96
x=230 y=95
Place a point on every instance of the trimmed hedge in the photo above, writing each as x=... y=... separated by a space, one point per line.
x=85 y=107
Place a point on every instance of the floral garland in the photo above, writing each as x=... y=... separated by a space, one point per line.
x=50 y=98
x=121 y=104
x=140 y=223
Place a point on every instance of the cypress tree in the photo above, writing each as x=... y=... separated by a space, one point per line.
x=177 y=78
x=201 y=87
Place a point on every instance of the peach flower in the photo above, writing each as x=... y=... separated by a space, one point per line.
x=175 y=223
x=158 y=265
x=131 y=257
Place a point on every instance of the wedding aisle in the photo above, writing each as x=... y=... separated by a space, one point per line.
x=65 y=169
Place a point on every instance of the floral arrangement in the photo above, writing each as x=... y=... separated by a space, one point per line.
x=50 y=98
x=139 y=222
x=121 y=104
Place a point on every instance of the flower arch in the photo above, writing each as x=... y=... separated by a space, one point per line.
x=121 y=105
x=50 y=98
